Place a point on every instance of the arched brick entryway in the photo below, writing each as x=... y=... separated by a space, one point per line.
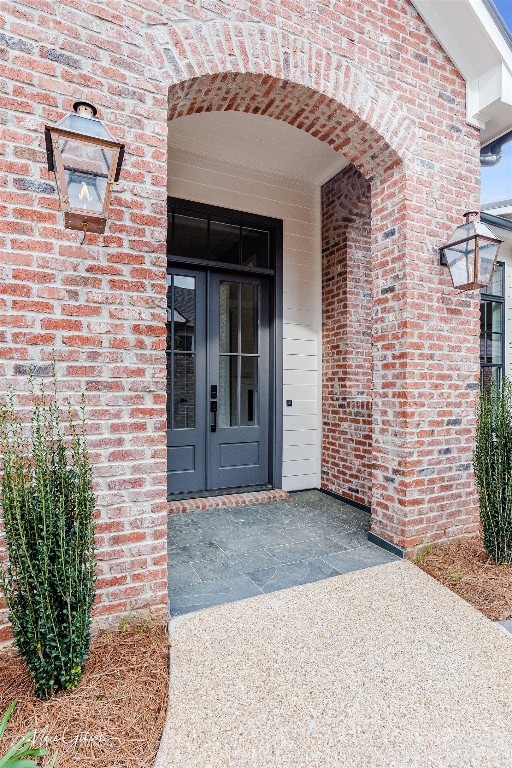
x=318 y=114
x=347 y=445
x=257 y=68
x=341 y=106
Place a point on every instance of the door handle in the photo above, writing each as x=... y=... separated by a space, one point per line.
x=213 y=417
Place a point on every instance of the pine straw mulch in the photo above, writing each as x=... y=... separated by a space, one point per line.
x=114 y=719
x=465 y=567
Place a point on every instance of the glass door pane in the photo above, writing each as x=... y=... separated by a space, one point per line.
x=249 y=319
x=228 y=391
x=181 y=358
x=229 y=317
x=249 y=391
x=238 y=347
x=184 y=386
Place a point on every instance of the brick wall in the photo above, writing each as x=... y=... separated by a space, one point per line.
x=100 y=306
x=346 y=337
x=365 y=77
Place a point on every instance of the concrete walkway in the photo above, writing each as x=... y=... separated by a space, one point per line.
x=381 y=667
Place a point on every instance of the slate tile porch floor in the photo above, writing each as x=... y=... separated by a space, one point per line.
x=223 y=555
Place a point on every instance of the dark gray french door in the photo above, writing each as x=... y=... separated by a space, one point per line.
x=218 y=370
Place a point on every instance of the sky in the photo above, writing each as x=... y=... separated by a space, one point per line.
x=496 y=182
x=505 y=9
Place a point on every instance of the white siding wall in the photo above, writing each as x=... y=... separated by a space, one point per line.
x=199 y=177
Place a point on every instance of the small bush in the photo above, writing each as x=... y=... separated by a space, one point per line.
x=48 y=578
x=493 y=469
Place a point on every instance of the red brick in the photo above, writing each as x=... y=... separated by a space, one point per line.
x=76 y=340
x=60 y=324
x=42 y=339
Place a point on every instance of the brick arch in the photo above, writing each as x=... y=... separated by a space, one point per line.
x=248 y=67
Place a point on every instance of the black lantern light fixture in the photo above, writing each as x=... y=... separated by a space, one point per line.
x=470 y=254
x=87 y=162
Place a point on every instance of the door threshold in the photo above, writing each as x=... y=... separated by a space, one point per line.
x=218 y=492
x=241 y=498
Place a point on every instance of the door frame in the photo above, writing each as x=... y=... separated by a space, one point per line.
x=275 y=275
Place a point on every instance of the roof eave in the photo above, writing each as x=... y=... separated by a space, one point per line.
x=474 y=37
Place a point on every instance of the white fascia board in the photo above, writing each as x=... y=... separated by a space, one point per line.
x=504 y=210
x=475 y=44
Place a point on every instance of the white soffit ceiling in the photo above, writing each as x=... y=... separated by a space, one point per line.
x=257 y=141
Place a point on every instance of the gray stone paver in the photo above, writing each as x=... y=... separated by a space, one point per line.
x=363 y=557
x=351 y=539
x=193 y=553
x=304 y=550
x=241 y=563
x=195 y=597
x=229 y=554
x=292 y=574
x=182 y=575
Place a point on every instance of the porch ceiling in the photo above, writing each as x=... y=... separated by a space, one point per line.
x=257 y=141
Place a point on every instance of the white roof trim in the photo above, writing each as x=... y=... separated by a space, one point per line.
x=474 y=41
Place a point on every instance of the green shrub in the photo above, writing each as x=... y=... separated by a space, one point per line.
x=493 y=469
x=20 y=754
x=48 y=578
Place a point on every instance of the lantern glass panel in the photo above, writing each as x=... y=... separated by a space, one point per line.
x=463 y=232
x=461 y=261
x=495 y=287
x=87 y=126
x=86 y=171
x=487 y=253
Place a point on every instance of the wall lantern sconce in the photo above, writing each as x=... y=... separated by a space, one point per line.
x=87 y=162
x=470 y=254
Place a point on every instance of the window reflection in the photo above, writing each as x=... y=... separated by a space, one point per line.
x=181 y=360
x=229 y=319
x=492 y=316
x=184 y=313
x=190 y=237
x=238 y=359
x=224 y=243
x=255 y=248
x=201 y=236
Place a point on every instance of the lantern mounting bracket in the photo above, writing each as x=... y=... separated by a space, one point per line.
x=87 y=107
x=85 y=227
